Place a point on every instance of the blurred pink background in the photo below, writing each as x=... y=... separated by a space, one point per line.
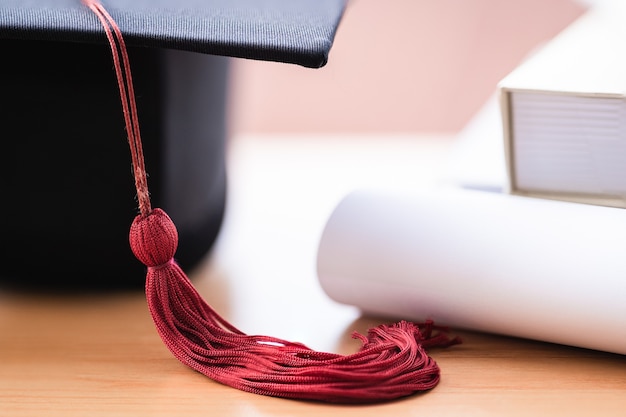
x=397 y=66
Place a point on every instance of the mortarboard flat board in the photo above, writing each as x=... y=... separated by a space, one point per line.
x=65 y=168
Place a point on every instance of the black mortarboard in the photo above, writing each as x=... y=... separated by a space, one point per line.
x=65 y=165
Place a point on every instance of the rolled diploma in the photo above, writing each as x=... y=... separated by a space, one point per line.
x=513 y=265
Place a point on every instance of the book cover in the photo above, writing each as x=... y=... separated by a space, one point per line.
x=564 y=112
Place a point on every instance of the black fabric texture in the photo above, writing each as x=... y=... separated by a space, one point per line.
x=65 y=169
x=291 y=31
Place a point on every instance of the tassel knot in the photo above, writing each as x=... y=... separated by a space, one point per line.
x=153 y=238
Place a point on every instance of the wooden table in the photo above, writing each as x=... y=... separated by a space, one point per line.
x=100 y=355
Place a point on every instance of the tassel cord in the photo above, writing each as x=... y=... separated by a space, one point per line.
x=129 y=105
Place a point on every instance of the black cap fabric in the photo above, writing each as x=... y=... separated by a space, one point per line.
x=65 y=173
x=292 y=31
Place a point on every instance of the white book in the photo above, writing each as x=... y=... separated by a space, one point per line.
x=564 y=113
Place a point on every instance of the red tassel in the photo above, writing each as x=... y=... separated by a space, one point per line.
x=391 y=363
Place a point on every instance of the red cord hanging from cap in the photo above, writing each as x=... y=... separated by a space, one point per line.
x=391 y=363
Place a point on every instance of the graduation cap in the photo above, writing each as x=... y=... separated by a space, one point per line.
x=64 y=164
x=66 y=176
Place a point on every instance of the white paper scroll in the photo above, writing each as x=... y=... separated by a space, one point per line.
x=539 y=269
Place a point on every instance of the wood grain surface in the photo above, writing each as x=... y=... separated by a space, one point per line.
x=99 y=354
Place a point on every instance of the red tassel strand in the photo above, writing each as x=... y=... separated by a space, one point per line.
x=391 y=363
